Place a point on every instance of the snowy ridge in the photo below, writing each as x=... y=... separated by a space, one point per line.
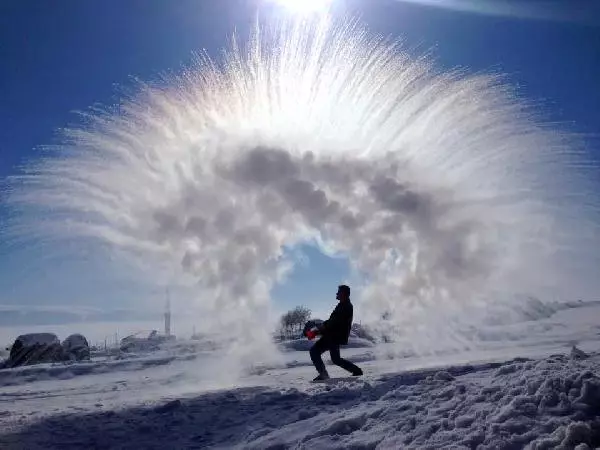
x=536 y=404
x=63 y=371
x=532 y=309
x=170 y=353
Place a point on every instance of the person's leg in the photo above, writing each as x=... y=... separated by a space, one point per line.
x=334 y=351
x=316 y=351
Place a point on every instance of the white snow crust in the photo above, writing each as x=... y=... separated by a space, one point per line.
x=500 y=397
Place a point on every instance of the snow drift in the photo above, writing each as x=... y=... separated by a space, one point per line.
x=534 y=404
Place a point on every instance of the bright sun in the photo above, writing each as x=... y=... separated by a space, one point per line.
x=305 y=5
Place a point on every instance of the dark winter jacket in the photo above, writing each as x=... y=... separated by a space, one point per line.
x=337 y=327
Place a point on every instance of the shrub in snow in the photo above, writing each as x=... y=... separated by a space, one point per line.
x=291 y=323
x=76 y=347
x=35 y=348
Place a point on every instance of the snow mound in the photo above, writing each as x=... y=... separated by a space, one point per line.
x=43 y=372
x=533 y=309
x=533 y=404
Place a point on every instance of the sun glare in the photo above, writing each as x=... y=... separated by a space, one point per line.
x=305 y=5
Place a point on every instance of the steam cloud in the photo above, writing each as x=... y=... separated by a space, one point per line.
x=442 y=188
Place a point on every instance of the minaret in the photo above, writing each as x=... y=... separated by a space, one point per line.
x=168 y=316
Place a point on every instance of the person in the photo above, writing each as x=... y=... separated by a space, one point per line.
x=334 y=333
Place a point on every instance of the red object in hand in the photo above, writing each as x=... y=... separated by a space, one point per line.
x=310 y=334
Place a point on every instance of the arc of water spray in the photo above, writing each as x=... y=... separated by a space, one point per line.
x=441 y=186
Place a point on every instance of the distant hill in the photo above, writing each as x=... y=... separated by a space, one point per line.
x=11 y=315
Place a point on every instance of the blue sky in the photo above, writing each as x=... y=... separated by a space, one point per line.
x=57 y=58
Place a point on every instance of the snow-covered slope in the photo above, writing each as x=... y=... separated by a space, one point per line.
x=188 y=396
x=540 y=403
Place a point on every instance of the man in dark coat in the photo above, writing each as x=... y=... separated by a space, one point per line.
x=335 y=332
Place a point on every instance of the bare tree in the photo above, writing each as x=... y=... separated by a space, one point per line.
x=293 y=321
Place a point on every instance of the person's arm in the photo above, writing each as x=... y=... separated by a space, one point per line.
x=336 y=319
x=327 y=323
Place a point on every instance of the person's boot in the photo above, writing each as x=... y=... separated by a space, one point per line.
x=322 y=376
x=358 y=373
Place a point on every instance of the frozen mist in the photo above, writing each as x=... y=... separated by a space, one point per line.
x=449 y=195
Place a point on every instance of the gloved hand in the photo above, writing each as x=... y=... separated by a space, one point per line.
x=311 y=334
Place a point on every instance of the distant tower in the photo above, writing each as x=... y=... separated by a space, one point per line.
x=168 y=316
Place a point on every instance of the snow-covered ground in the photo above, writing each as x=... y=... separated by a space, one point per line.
x=521 y=389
